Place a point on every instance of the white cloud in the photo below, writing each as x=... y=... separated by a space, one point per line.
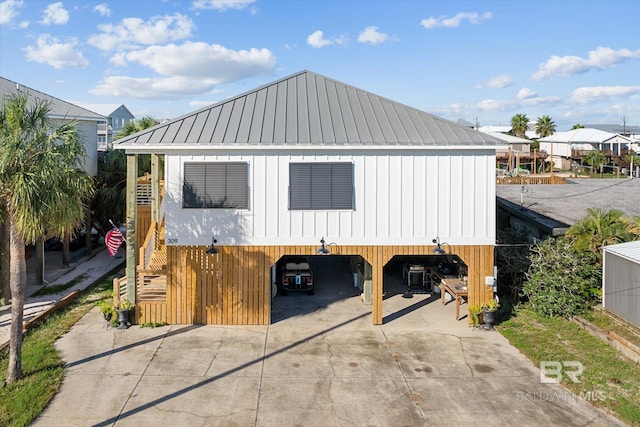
x=540 y=100
x=133 y=32
x=372 y=35
x=49 y=50
x=24 y=24
x=497 y=82
x=55 y=14
x=102 y=9
x=187 y=69
x=222 y=5
x=455 y=21
x=202 y=104
x=526 y=93
x=495 y=106
x=152 y=87
x=9 y=10
x=119 y=59
x=585 y=95
x=600 y=58
x=202 y=60
x=317 y=40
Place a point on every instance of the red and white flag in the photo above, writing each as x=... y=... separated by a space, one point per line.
x=113 y=240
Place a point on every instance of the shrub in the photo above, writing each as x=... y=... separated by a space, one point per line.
x=561 y=280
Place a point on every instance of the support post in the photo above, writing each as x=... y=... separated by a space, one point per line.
x=132 y=250
x=155 y=188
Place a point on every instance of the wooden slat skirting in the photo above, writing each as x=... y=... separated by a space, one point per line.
x=233 y=287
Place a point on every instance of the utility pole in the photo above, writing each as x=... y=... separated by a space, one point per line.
x=552 y=164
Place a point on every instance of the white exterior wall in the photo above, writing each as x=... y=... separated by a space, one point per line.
x=559 y=149
x=403 y=197
x=88 y=132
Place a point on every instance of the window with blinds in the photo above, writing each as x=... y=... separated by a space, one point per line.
x=216 y=185
x=320 y=186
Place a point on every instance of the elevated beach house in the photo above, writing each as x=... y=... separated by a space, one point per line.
x=275 y=171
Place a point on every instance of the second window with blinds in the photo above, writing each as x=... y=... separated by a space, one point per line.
x=318 y=186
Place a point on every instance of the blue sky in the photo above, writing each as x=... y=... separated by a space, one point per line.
x=576 y=61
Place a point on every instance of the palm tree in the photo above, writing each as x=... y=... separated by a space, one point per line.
x=545 y=126
x=519 y=125
x=577 y=126
x=595 y=159
x=42 y=189
x=134 y=126
x=601 y=228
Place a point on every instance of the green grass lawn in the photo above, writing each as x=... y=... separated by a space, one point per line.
x=613 y=379
x=22 y=402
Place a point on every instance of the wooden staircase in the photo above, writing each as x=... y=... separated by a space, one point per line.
x=159 y=255
x=151 y=284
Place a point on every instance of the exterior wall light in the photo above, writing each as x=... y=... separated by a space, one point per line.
x=211 y=250
x=439 y=249
x=323 y=250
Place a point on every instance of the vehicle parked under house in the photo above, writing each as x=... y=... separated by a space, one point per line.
x=272 y=172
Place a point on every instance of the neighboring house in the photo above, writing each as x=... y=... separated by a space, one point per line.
x=514 y=152
x=565 y=147
x=88 y=121
x=530 y=133
x=621 y=281
x=117 y=117
x=275 y=170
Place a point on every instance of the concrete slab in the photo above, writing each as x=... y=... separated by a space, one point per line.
x=410 y=371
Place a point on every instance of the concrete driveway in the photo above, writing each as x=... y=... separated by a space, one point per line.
x=321 y=363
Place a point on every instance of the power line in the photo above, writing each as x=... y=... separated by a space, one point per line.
x=581 y=194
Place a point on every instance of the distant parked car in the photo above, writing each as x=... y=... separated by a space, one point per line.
x=297 y=275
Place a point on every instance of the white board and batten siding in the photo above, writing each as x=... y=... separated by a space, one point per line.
x=401 y=197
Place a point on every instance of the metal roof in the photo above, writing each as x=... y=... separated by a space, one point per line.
x=510 y=139
x=586 y=135
x=629 y=250
x=59 y=109
x=306 y=109
x=104 y=109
